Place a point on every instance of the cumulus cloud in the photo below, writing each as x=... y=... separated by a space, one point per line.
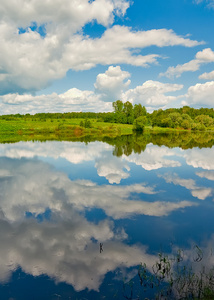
x=152 y=93
x=73 y=14
x=196 y=191
x=72 y=100
x=201 y=94
x=112 y=83
x=109 y=86
x=201 y=57
x=66 y=247
x=75 y=153
x=200 y=158
x=114 y=169
x=67 y=251
x=108 y=166
x=206 y=55
x=153 y=158
x=111 y=167
x=40 y=59
x=30 y=181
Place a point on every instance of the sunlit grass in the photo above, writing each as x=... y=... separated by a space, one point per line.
x=52 y=129
x=30 y=128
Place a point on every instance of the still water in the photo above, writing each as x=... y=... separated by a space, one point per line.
x=77 y=219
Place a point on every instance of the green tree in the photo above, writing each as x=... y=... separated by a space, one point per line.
x=205 y=120
x=140 y=123
x=118 y=106
x=176 y=119
x=139 y=110
x=128 y=111
x=120 y=117
x=166 y=122
x=186 y=124
x=87 y=123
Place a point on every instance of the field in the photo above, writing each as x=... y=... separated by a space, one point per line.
x=48 y=129
x=13 y=128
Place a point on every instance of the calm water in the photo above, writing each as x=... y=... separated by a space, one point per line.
x=78 y=219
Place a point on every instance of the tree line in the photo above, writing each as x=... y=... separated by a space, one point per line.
x=180 y=118
x=125 y=113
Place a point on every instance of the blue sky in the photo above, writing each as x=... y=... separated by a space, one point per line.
x=82 y=55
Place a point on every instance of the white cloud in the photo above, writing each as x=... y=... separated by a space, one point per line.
x=109 y=86
x=108 y=166
x=191 y=66
x=196 y=191
x=75 y=153
x=29 y=180
x=112 y=168
x=70 y=240
x=201 y=57
x=112 y=83
x=38 y=60
x=152 y=93
x=201 y=94
x=72 y=14
x=64 y=251
x=207 y=76
x=72 y=100
x=200 y=158
x=206 y=55
x=206 y=174
x=153 y=158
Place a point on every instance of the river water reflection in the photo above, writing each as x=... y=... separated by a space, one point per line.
x=77 y=219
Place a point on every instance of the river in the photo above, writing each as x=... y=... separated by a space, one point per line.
x=87 y=220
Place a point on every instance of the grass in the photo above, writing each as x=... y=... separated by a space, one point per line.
x=31 y=128
x=49 y=129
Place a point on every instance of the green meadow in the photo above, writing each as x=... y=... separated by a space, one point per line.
x=50 y=129
x=125 y=120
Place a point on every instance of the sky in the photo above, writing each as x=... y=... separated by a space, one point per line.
x=82 y=55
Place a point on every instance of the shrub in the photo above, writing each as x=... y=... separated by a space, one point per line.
x=139 y=123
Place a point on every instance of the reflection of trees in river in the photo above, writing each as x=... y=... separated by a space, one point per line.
x=126 y=144
x=137 y=142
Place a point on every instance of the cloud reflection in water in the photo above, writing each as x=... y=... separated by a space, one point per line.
x=66 y=247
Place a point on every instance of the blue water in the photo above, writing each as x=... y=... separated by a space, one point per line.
x=76 y=221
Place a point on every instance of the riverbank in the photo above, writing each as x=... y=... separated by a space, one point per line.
x=67 y=129
x=52 y=129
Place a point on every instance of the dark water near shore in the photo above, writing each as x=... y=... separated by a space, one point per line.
x=77 y=219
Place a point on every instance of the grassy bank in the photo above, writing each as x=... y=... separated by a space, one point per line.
x=50 y=129
x=67 y=129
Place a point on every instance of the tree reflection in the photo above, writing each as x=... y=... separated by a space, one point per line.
x=137 y=142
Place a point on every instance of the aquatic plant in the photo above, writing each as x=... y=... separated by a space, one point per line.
x=174 y=277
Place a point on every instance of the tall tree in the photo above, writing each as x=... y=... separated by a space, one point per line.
x=139 y=110
x=128 y=111
x=118 y=106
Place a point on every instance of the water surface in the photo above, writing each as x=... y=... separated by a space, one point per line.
x=77 y=219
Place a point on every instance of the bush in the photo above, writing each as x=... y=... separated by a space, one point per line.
x=86 y=123
x=139 y=123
